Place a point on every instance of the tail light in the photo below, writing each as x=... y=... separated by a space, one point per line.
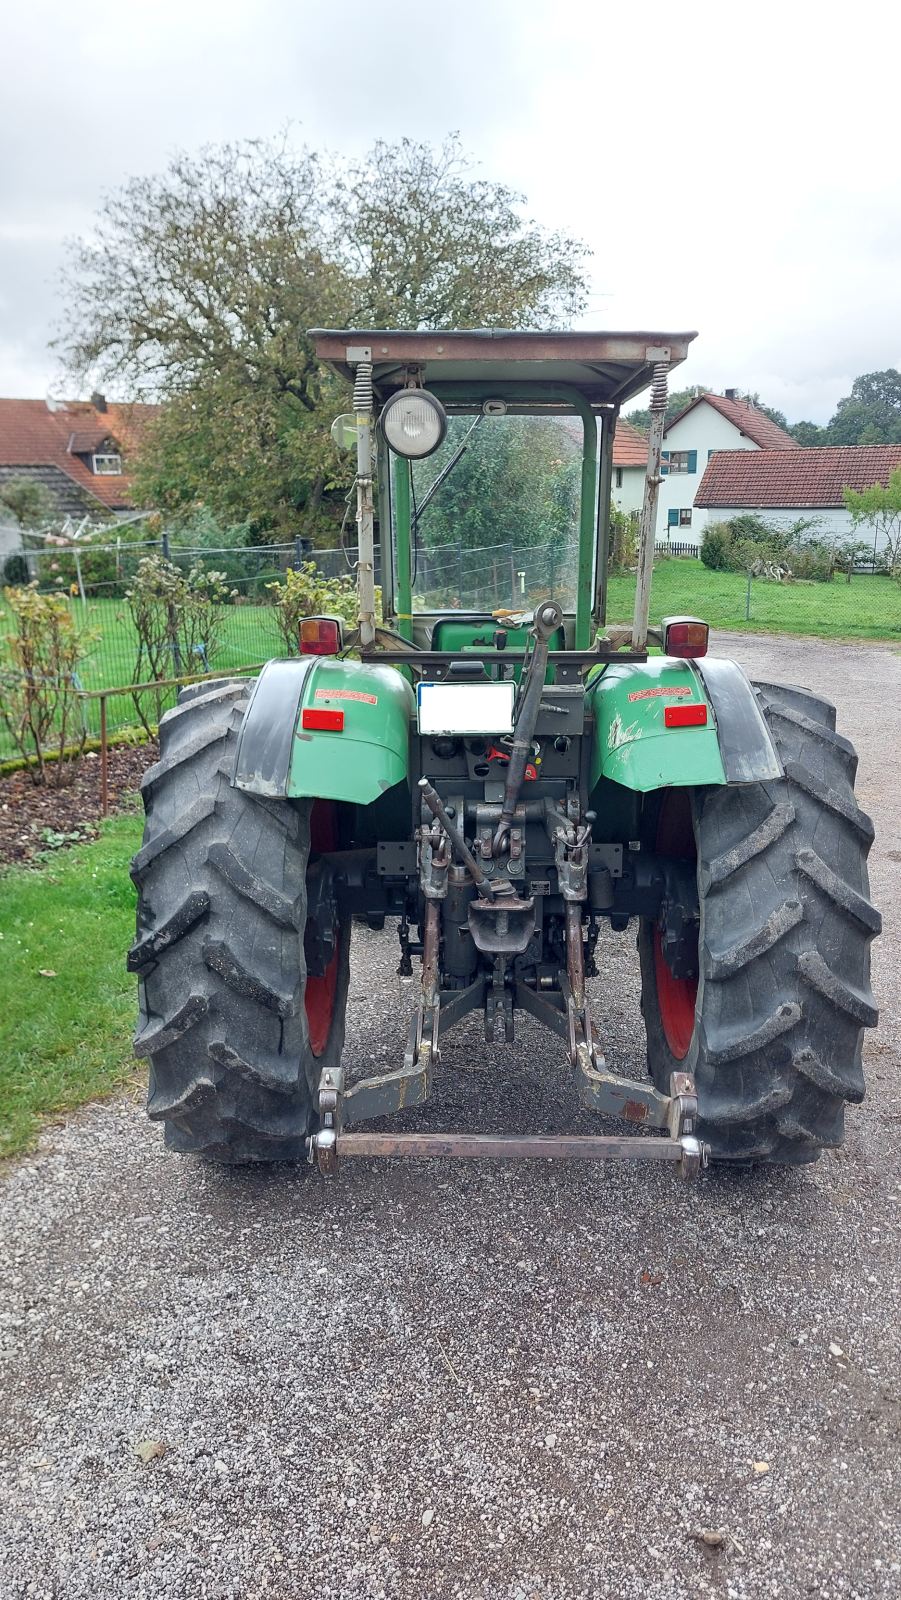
x=685 y=637
x=320 y=636
x=685 y=717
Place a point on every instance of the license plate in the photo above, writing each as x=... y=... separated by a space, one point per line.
x=466 y=707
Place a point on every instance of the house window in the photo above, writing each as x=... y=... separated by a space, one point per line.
x=685 y=518
x=619 y=477
x=679 y=519
x=107 y=466
x=680 y=461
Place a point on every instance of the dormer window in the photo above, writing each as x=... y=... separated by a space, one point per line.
x=107 y=466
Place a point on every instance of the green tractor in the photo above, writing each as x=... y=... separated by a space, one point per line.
x=500 y=774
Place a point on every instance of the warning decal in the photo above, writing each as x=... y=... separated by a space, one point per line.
x=652 y=694
x=355 y=694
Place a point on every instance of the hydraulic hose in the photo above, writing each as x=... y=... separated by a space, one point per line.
x=547 y=620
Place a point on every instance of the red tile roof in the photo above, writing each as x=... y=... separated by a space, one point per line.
x=761 y=479
x=630 y=445
x=754 y=424
x=31 y=435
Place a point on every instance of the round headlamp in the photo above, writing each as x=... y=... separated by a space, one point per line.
x=413 y=423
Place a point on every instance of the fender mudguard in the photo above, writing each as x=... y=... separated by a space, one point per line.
x=634 y=747
x=277 y=756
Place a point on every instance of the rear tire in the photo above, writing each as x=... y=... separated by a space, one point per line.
x=783 y=991
x=235 y=1034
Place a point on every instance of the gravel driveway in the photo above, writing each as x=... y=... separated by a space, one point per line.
x=524 y=1381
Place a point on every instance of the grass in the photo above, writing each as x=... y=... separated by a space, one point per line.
x=64 y=1040
x=865 y=608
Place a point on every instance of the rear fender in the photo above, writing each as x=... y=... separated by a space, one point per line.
x=277 y=756
x=635 y=748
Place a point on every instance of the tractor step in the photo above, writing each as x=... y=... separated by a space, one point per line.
x=687 y=1153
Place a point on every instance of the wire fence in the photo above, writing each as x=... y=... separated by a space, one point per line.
x=494 y=576
x=447 y=576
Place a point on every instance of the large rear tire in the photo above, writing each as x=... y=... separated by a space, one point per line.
x=772 y=1026
x=235 y=1032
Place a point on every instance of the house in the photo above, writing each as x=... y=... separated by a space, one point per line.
x=712 y=422
x=77 y=448
x=630 y=466
x=786 y=487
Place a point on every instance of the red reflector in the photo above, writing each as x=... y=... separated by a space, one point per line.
x=324 y=721
x=686 y=639
x=685 y=716
x=319 y=637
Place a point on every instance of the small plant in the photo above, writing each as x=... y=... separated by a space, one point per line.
x=623 y=540
x=51 y=840
x=15 y=570
x=177 y=618
x=39 y=686
x=306 y=593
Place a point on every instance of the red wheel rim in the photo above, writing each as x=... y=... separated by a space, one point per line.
x=676 y=997
x=319 y=1001
x=319 y=995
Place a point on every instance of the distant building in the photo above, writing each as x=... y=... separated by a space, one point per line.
x=784 y=487
x=78 y=449
x=710 y=424
x=630 y=465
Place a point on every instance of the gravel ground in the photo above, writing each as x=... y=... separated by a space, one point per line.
x=523 y=1381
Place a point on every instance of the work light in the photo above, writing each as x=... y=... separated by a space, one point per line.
x=414 y=423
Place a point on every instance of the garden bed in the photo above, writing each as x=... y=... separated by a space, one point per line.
x=36 y=822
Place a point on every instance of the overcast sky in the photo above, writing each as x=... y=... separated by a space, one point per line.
x=734 y=169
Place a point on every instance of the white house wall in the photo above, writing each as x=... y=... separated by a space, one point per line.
x=704 y=430
x=824 y=522
x=630 y=495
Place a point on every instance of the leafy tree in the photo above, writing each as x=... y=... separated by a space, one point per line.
x=177 y=619
x=199 y=285
x=871 y=413
x=809 y=433
x=32 y=504
x=879 y=508
x=518 y=483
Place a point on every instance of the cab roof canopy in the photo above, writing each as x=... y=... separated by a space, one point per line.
x=607 y=368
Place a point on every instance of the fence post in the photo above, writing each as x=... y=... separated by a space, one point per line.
x=104 y=760
x=460 y=571
x=553 y=564
x=298 y=553
x=165 y=547
x=748 y=599
x=512 y=578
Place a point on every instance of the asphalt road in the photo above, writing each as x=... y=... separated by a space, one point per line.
x=524 y=1381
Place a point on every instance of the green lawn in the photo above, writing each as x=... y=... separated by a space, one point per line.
x=865 y=608
x=66 y=1039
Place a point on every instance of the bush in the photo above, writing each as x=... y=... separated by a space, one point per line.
x=306 y=593
x=15 y=570
x=176 y=616
x=39 y=689
x=624 y=530
x=716 y=547
x=32 y=504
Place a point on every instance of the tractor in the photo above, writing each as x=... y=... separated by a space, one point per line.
x=497 y=773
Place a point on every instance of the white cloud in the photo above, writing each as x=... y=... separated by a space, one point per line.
x=733 y=171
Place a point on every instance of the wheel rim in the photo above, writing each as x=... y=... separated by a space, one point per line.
x=676 y=997
x=319 y=994
x=319 y=1001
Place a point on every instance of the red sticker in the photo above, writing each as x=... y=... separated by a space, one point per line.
x=355 y=694
x=652 y=694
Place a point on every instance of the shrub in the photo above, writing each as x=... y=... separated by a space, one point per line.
x=32 y=504
x=306 y=593
x=624 y=530
x=716 y=547
x=39 y=688
x=176 y=616
x=15 y=570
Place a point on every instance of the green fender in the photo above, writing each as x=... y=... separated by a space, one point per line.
x=633 y=746
x=277 y=756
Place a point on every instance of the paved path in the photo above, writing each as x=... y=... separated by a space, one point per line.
x=466 y=1380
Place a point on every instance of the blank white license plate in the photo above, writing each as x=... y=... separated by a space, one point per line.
x=466 y=707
